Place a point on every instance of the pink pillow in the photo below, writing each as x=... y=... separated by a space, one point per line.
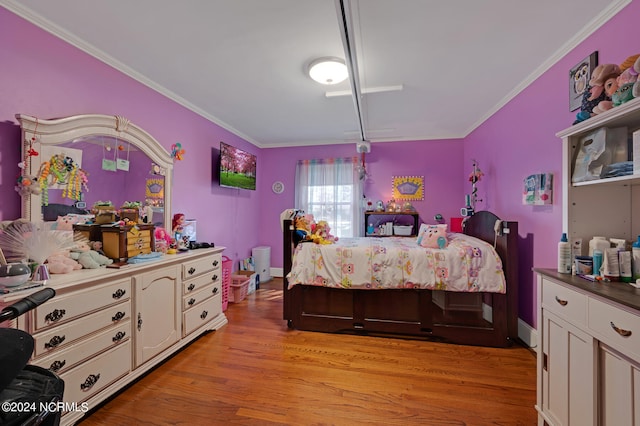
x=433 y=236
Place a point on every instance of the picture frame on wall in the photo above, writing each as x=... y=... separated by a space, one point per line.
x=579 y=77
x=408 y=188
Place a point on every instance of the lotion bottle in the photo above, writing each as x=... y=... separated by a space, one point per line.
x=564 y=255
x=635 y=254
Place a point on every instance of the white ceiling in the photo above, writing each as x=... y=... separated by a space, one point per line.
x=242 y=63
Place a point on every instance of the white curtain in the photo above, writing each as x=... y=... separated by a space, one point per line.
x=331 y=190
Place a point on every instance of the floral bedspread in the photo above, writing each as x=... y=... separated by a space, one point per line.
x=467 y=264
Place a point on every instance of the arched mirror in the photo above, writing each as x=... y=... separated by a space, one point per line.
x=75 y=163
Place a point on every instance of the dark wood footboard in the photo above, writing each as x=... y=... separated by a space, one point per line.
x=410 y=312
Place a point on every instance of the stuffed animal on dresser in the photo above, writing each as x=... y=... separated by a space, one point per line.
x=89 y=259
x=62 y=263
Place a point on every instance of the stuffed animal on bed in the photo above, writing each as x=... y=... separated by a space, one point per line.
x=433 y=236
x=302 y=229
x=322 y=233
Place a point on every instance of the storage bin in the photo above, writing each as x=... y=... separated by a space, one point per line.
x=403 y=230
x=251 y=276
x=227 y=264
x=239 y=288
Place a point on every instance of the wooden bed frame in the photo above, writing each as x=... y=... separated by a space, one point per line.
x=483 y=319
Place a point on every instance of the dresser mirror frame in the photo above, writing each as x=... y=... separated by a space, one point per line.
x=37 y=133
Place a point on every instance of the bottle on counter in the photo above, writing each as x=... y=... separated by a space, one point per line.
x=564 y=255
x=600 y=243
x=635 y=255
x=597 y=262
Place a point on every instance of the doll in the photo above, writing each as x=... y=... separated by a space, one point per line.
x=177 y=224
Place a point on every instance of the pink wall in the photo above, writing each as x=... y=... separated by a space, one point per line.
x=439 y=161
x=520 y=140
x=46 y=77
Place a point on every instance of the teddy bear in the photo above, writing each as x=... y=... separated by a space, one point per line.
x=89 y=259
x=322 y=234
x=62 y=263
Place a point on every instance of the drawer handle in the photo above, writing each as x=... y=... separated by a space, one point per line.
x=191 y=287
x=204 y=314
x=215 y=263
x=119 y=336
x=192 y=271
x=214 y=277
x=561 y=302
x=191 y=301
x=91 y=380
x=119 y=293
x=55 y=315
x=54 y=342
x=215 y=290
x=57 y=365
x=620 y=331
x=118 y=316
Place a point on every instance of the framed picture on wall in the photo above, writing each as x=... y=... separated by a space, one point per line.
x=579 y=77
x=408 y=188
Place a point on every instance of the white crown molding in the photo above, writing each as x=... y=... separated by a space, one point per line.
x=589 y=29
x=20 y=10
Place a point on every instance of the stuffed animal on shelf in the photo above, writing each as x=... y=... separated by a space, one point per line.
x=628 y=84
x=62 y=264
x=89 y=259
x=604 y=80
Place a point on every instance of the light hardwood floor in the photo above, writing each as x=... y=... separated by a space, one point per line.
x=256 y=371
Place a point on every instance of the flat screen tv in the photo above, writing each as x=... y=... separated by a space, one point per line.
x=237 y=168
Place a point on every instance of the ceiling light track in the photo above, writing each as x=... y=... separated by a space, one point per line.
x=345 y=17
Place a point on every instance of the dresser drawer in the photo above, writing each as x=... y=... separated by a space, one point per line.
x=56 y=337
x=89 y=378
x=200 y=266
x=201 y=314
x=195 y=284
x=64 y=359
x=615 y=327
x=196 y=297
x=62 y=309
x=565 y=302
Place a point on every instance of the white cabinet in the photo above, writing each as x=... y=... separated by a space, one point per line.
x=567 y=378
x=157 y=320
x=107 y=327
x=589 y=332
x=589 y=355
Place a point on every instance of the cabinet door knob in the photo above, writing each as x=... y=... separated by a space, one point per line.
x=55 y=315
x=621 y=331
x=139 y=321
x=119 y=336
x=57 y=340
x=57 y=365
x=91 y=380
x=561 y=302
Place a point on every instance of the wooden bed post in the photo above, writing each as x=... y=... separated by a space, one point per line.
x=287 y=249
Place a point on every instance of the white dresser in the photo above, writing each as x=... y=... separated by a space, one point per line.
x=107 y=327
x=589 y=355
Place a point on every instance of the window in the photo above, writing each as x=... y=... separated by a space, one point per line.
x=331 y=190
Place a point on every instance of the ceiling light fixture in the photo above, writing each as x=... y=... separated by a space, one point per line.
x=328 y=70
